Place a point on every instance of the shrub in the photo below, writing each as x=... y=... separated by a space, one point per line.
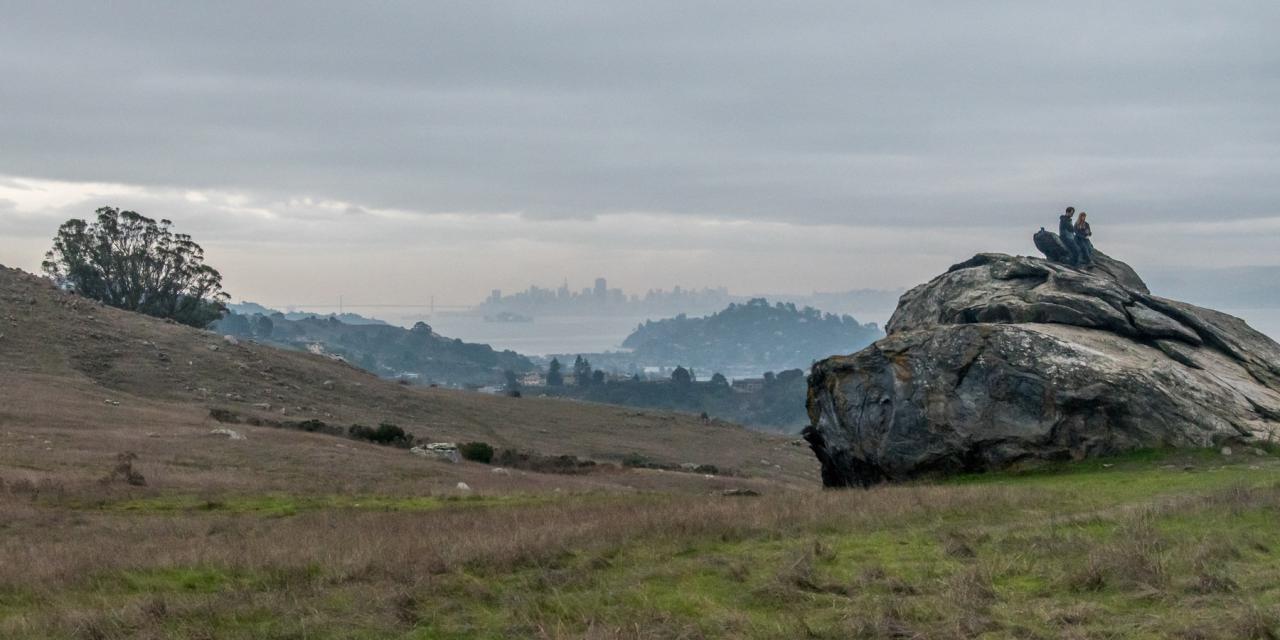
x=312 y=426
x=476 y=452
x=635 y=460
x=385 y=434
x=224 y=415
x=530 y=461
x=125 y=472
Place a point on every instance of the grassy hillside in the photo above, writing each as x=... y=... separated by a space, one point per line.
x=287 y=534
x=93 y=381
x=383 y=349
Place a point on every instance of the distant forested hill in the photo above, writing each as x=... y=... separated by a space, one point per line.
x=755 y=334
x=252 y=308
x=776 y=404
x=386 y=350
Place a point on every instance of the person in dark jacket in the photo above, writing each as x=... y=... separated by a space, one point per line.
x=1067 y=231
x=1084 y=242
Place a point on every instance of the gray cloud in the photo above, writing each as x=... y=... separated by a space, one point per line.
x=829 y=112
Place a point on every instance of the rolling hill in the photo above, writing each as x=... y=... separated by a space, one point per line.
x=93 y=381
x=386 y=350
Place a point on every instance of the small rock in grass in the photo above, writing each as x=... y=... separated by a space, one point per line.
x=500 y=471
x=741 y=493
x=462 y=486
x=1226 y=451
x=231 y=434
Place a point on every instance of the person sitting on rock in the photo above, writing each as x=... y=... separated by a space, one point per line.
x=1066 y=231
x=1083 y=243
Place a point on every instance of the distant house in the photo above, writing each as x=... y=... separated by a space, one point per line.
x=532 y=379
x=748 y=385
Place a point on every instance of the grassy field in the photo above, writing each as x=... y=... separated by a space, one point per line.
x=80 y=382
x=1150 y=546
x=289 y=534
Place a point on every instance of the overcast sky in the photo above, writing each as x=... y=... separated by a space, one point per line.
x=390 y=152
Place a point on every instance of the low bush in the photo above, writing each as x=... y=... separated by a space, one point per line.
x=360 y=432
x=528 y=461
x=312 y=426
x=385 y=434
x=224 y=415
x=476 y=452
x=635 y=460
x=124 y=471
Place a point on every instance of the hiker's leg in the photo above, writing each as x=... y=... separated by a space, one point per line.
x=1073 y=249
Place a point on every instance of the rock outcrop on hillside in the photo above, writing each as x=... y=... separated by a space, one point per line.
x=1004 y=359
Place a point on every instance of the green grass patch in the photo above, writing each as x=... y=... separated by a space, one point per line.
x=1135 y=549
x=174 y=579
x=1132 y=476
x=287 y=505
x=15 y=601
x=1015 y=573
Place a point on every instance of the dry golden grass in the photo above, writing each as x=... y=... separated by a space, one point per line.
x=65 y=363
x=427 y=542
x=57 y=553
x=879 y=563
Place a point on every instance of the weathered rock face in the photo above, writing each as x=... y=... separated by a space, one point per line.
x=1004 y=359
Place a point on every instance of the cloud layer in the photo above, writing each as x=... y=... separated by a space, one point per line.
x=759 y=145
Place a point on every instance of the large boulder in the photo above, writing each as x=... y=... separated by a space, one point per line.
x=1004 y=359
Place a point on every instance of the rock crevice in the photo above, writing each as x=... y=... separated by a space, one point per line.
x=1007 y=358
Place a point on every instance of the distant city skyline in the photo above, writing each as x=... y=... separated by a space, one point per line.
x=562 y=292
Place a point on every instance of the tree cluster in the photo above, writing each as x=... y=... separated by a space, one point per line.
x=132 y=262
x=584 y=375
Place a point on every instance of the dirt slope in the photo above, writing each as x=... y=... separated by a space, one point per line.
x=65 y=363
